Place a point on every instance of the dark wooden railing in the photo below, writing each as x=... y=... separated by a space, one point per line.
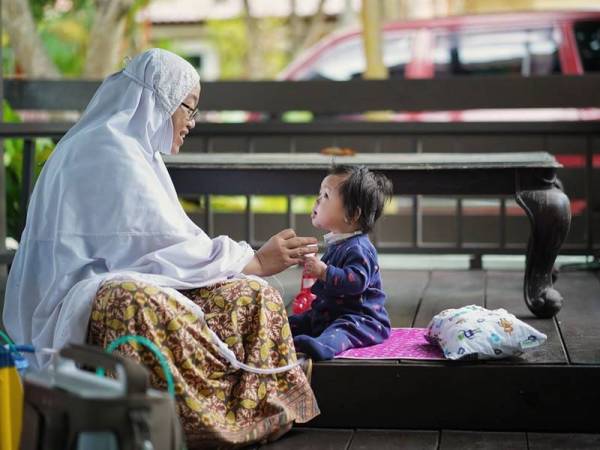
x=576 y=142
x=331 y=97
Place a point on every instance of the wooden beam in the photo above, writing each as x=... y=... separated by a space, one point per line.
x=455 y=395
x=337 y=97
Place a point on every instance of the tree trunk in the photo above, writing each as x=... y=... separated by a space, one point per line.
x=295 y=29
x=349 y=16
x=393 y=10
x=313 y=31
x=106 y=36
x=372 y=41
x=315 y=28
x=25 y=41
x=254 y=64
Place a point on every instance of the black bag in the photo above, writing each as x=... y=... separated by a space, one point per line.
x=67 y=408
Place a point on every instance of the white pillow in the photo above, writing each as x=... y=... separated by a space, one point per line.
x=473 y=332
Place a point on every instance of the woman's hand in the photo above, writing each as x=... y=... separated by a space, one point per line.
x=280 y=252
x=314 y=267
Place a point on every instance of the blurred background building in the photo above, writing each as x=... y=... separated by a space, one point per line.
x=224 y=39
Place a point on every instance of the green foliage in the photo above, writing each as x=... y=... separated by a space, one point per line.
x=13 y=151
x=8 y=60
x=228 y=203
x=133 y=29
x=304 y=204
x=268 y=204
x=273 y=45
x=38 y=7
x=229 y=37
x=297 y=116
x=260 y=204
x=66 y=42
x=13 y=164
x=65 y=35
x=41 y=8
x=165 y=44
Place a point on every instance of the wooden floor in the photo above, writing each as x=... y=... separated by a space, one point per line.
x=414 y=297
x=519 y=403
x=548 y=399
x=342 y=439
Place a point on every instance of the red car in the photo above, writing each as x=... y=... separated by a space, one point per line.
x=526 y=43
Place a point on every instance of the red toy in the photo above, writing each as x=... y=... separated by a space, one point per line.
x=305 y=297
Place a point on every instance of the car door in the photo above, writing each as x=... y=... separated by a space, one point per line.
x=345 y=58
x=509 y=51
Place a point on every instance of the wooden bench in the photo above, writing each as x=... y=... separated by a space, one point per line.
x=531 y=181
x=530 y=177
x=461 y=228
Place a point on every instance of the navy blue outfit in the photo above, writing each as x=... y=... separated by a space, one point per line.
x=349 y=310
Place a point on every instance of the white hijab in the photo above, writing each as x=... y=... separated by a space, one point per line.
x=104 y=204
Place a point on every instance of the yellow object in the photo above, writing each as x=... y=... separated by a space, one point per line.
x=11 y=403
x=371 y=20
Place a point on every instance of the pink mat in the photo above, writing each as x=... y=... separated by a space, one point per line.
x=403 y=343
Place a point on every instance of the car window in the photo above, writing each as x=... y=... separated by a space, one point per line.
x=346 y=59
x=397 y=54
x=588 y=43
x=524 y=52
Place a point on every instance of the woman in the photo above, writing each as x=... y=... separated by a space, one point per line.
x=108 y=251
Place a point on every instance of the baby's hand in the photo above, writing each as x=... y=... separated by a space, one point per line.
x=315 y=267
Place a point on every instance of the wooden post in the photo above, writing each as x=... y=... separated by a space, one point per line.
x=375 y=69
x=371 y=18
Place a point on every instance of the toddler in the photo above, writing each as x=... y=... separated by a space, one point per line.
x=349 y=309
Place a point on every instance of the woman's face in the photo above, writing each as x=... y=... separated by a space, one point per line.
x=182 y=119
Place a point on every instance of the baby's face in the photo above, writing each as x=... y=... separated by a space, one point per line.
x=328 y=213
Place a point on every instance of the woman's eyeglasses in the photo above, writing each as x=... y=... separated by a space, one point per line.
x=193 y=113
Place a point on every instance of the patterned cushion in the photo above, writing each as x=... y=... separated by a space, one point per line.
x=473 y=332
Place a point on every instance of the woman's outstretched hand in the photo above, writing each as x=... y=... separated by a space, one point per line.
x=281 y=251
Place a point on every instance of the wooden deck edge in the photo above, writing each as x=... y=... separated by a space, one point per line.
x=463 y=397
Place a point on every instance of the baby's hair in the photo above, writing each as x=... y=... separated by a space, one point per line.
x=363 y=193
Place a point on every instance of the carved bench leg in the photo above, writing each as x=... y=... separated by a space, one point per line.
x=549 y=213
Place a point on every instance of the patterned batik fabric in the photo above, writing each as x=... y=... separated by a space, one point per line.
x=218 y=406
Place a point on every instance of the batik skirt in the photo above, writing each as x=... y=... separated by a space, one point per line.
x=218 y=405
